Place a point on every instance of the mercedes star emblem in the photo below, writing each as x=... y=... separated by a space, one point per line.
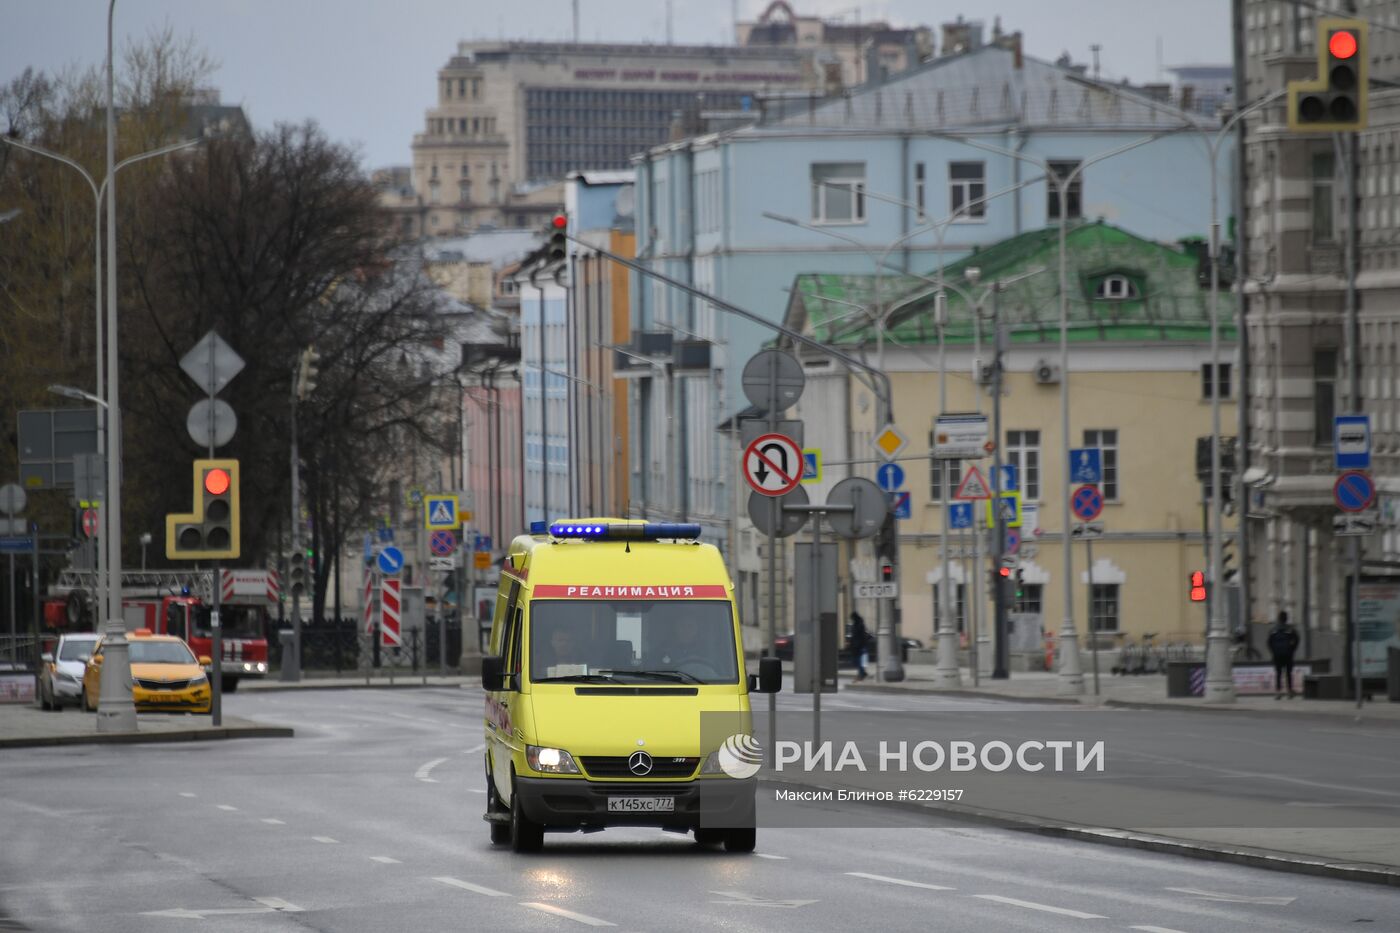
x=639 y=764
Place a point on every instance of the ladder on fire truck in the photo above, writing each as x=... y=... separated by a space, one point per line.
x=198 y=583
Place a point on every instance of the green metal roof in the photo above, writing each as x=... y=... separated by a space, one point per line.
x=1169 y=303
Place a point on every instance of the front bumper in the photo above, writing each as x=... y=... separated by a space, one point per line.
x=67 y=690
x=577 y=803
x=197 y=700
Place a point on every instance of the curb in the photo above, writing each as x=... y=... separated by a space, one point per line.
x=291 y=688
x=964 y=694
x=1270 y=859
x=136 y=738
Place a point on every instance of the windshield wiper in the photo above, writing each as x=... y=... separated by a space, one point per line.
x=582 y=678
x=678 y=676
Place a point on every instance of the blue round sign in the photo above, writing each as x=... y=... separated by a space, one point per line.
x=1354 y=491
x=890 y=476
x=390 y=560
x=1087 y=503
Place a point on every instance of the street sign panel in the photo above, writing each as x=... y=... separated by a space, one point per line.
x=390 y=560
x=875 y=590
x=973 y=486
x=751 y=430
x=812 y=465
x=960 y=437
x=869 y=506
x=1086 y=465
x=960 y=515
x=768 y=517
x=1008 y=481
x=440 y=511
x=902 y=506
x=16 y=544
x=1354 y=491
x=889 y=476
x=773 y=380
x=1013 y=541
x=438 y=563
x=13 y=526
x=90 y=522
x=772 y=464
x=1086 y=530
x=1010 y=505
x=482 y=559
x=211 y=425
x=890 y=441
x=212 y=363
x=1356 y=523
x=1351 y=442
x=1086 y=503
x=13 y=499
x=443 y=543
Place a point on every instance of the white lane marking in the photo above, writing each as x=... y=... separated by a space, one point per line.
x=571 y=915
x=908 y=884
x=1234 y=898
x=1156 y=929
x=422 y=773
x=1032 y=905
x=276 y=903
x=384 y=859
x=273 y=822
x=185 y=793
x=475 y=888
x=474 y=749
x=475 y=790
x=270 y=905
x=741 y=899
x=224 y=806
x=782 y=858
x=327 y=840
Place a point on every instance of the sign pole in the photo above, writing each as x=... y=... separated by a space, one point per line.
x=1355 y=618
x=970 y=601
x=1089 y=608
x=775 y=514
x=816 y=629
x=13 y=636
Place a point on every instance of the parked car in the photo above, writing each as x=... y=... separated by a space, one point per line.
x=61 y=675
x=782 y=646
x=165 y=675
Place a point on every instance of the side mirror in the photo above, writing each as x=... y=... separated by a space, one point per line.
x=491 y=665
x=205 y=660
x=770 y=675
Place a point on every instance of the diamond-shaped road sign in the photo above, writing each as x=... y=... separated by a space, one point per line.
x=890 y=441
x=212 y=363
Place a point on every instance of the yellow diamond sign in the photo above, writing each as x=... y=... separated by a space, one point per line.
x=890 y=441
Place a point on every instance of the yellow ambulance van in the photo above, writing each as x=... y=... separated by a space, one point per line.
x=612 y=642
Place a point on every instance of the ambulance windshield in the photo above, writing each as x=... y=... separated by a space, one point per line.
x=633 y=641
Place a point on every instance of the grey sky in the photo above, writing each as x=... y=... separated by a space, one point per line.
x=365 y=69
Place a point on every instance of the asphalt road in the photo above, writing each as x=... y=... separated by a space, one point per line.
x=369 y=820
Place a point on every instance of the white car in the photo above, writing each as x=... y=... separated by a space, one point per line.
x=61 y=676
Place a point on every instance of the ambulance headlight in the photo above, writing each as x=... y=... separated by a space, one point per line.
x=550 y=760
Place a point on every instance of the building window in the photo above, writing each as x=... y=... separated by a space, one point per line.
x=1030 y=598
x=967 y=183
x=1106 y=441
x=838 y=192
x=935 y=477
x=1221 y=382
x=1023 y=451
x=919 y=188
x=1324 y=395
x=1103 y=611
x=1324 y=229
x=1117 y=288
x=1073 y=194
x=434 y=193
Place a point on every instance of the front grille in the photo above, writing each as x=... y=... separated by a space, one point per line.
x=612 y=766
x=162 y=684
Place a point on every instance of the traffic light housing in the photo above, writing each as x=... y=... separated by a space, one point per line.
x=558 y=246
x=1198 y=586
x=308 y=368
x=296 y=575
x=886 y=570
x=1335 y=100
x=210 y=531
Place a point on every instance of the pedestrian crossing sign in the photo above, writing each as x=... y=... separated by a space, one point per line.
x=440 y=511
x=1010 y=504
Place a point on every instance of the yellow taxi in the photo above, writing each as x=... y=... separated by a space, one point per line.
x=616 y=688
x=165 y=675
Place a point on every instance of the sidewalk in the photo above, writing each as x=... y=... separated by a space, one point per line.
x=1144 y=691
x=25 y=726
x=348 y=680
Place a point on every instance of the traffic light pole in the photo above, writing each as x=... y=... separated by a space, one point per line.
x=1001 y=650
x=291 y=668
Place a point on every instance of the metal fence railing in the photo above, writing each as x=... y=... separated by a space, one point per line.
x=341 y=646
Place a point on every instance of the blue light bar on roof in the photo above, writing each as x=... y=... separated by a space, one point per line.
x=607 y=531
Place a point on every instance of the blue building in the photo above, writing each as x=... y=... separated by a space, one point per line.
x=869 y=180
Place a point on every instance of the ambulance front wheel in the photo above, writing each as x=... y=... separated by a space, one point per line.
x=525 y=834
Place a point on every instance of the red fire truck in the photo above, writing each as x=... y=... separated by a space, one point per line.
x=180 y=603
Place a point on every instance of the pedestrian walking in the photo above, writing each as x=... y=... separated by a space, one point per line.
x=1283 y=641
x=859 y=643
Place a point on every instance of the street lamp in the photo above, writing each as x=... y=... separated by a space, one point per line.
x=77 y=394
x=9 y=215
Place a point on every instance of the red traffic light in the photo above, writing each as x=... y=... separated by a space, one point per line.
x=559 y=221
x=1198 y=586
x=216 y=482
x=1342 y=44
x=1005 y=571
